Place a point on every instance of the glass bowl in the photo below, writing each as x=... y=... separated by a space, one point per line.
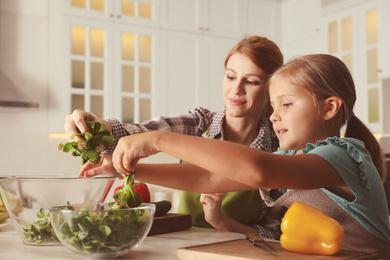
x=96 y=231
x=28 y=200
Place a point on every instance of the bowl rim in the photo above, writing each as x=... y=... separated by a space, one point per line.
x=51 y=177
x=143 y=206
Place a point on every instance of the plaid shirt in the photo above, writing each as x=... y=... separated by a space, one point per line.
x=195 y=123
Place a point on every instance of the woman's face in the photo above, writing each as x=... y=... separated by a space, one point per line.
x=243 y=87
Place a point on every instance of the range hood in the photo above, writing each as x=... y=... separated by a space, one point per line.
x=10 y=96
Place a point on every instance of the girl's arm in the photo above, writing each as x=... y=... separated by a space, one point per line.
x=168 y=175
x=185 y=176
x=234 y=161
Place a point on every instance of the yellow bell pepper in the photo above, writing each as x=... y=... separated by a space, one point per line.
x=308 y=230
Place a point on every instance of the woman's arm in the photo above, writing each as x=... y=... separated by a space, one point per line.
x=216 y=218
x=234 y=161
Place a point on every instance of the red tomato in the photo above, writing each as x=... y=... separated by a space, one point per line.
x=141 y=189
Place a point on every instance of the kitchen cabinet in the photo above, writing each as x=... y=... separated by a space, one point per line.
x=262 y=18
x=301 y=28
x=210 y=17
x=142 y=12
x=228 y=18
x=111 y=69
x=355 y=34
x=109 y=61
x=193 y=70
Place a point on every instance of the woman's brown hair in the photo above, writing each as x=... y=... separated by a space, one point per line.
x=261 y=51
x=265 y=54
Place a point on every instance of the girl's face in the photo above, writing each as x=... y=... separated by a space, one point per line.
x=295 y=118
x=243 y=87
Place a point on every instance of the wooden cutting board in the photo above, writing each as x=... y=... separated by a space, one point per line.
x=242 y=249
x=170 y=222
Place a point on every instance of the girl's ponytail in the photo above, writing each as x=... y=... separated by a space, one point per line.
x=357 y=129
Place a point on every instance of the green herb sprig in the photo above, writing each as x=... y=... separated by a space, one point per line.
x=88 y=148
x=40 y=230
x=126 y=197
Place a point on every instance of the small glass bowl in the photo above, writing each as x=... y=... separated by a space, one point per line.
x=96 y=231
x=28 y=200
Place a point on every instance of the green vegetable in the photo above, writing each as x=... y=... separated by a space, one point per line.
x=162 y=207
x=88 y=148
x=126 y=196
x=40 y=230
x=103 y=231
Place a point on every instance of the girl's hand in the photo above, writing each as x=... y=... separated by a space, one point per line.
x=131 y=149
x=212 y=208
x=77 y=119
x=104 y=167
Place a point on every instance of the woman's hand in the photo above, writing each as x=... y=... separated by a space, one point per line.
x=131 y=149
x=215 y=217
x=77 y=119
x=212 y=208
x=104 y=167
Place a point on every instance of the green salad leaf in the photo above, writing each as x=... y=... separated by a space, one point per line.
x=88 y=149
x=103 y=231
x=126 y=197
x=40 y=230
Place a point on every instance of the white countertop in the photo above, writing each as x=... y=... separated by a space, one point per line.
x=157 y=247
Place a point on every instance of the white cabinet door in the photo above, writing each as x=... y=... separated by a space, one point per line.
x=88 y=59
x=110 y=69
x=215 y=50
x=142 y=12
x=210 y=17
x=181 y=77
x=352 y=36
x=183 y=15
x=193 y=70
x=262 y=18
x=135 y=73
x=222 y=17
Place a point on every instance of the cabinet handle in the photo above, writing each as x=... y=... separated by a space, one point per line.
x=206 y=29
x=111 y=15
x=201 y=28
x=118 y=16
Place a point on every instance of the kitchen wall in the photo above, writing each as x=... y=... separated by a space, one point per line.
x=26 y=147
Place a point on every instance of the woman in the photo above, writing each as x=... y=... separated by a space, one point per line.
x=244 y=120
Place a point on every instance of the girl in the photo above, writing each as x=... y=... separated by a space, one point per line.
x=243 y=120
x=312 y=98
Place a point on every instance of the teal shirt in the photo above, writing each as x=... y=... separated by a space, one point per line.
x=353 y=163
